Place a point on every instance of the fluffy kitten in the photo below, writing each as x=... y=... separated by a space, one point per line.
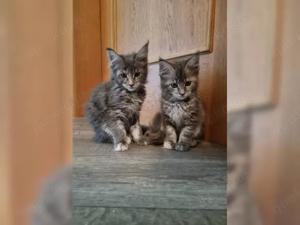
x=114 y=107
x=182 y=115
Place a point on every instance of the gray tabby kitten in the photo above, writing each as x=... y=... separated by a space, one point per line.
x=182 y=115
x=114 y=107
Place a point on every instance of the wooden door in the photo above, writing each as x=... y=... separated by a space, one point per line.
x=174 y=28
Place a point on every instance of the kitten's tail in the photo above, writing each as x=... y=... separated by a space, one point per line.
x=154 y=134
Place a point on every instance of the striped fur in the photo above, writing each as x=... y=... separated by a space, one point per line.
x=181 y=117
x=114 y=107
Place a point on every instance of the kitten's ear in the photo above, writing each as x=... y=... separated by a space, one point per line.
x=113 y=56
x=192 y=64
x=142 y=54
x=165 y=67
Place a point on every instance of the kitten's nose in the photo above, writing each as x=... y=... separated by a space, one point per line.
x=130 y=82
x=181 y=92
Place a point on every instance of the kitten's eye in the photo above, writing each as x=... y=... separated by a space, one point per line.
x=137 y=74
x=123 y=75
x=174 y=85
x=188 y=83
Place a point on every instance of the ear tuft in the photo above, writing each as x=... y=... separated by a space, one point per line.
x=142 y=54
x=113 y=56
x=192 y=63
x=165 y=67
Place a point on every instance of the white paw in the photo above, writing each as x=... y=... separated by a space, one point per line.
x=145 y=142
x=136 y=133
x=168 y=145
x=121 y=147
x=128 y=140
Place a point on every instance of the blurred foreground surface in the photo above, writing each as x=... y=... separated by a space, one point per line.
x=271 y=167
x=36 y=75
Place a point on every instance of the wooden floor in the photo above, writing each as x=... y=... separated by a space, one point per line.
x=147 y=185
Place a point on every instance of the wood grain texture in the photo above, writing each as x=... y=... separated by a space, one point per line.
x=148 y=177
x=87 y=51
x=146 y=183
x=216 y=86
x=108 y=34
x=128 y=216
x=167 y=24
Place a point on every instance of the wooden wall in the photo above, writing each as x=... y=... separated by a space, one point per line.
x=87 y=51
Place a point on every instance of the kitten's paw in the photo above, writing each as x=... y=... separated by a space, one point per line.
x=182 y=147
x=128 y=140
x=169 y=145
x=136 y=133
x=120 y=147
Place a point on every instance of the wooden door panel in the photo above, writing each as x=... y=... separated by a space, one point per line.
x=167 y=24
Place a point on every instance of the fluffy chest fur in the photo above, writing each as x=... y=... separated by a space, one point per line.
x=128 y=101
x=125 y=105
x=180 y=113
x=113 y=102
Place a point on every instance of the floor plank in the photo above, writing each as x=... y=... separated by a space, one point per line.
x=138 y=216
x=146 y=183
